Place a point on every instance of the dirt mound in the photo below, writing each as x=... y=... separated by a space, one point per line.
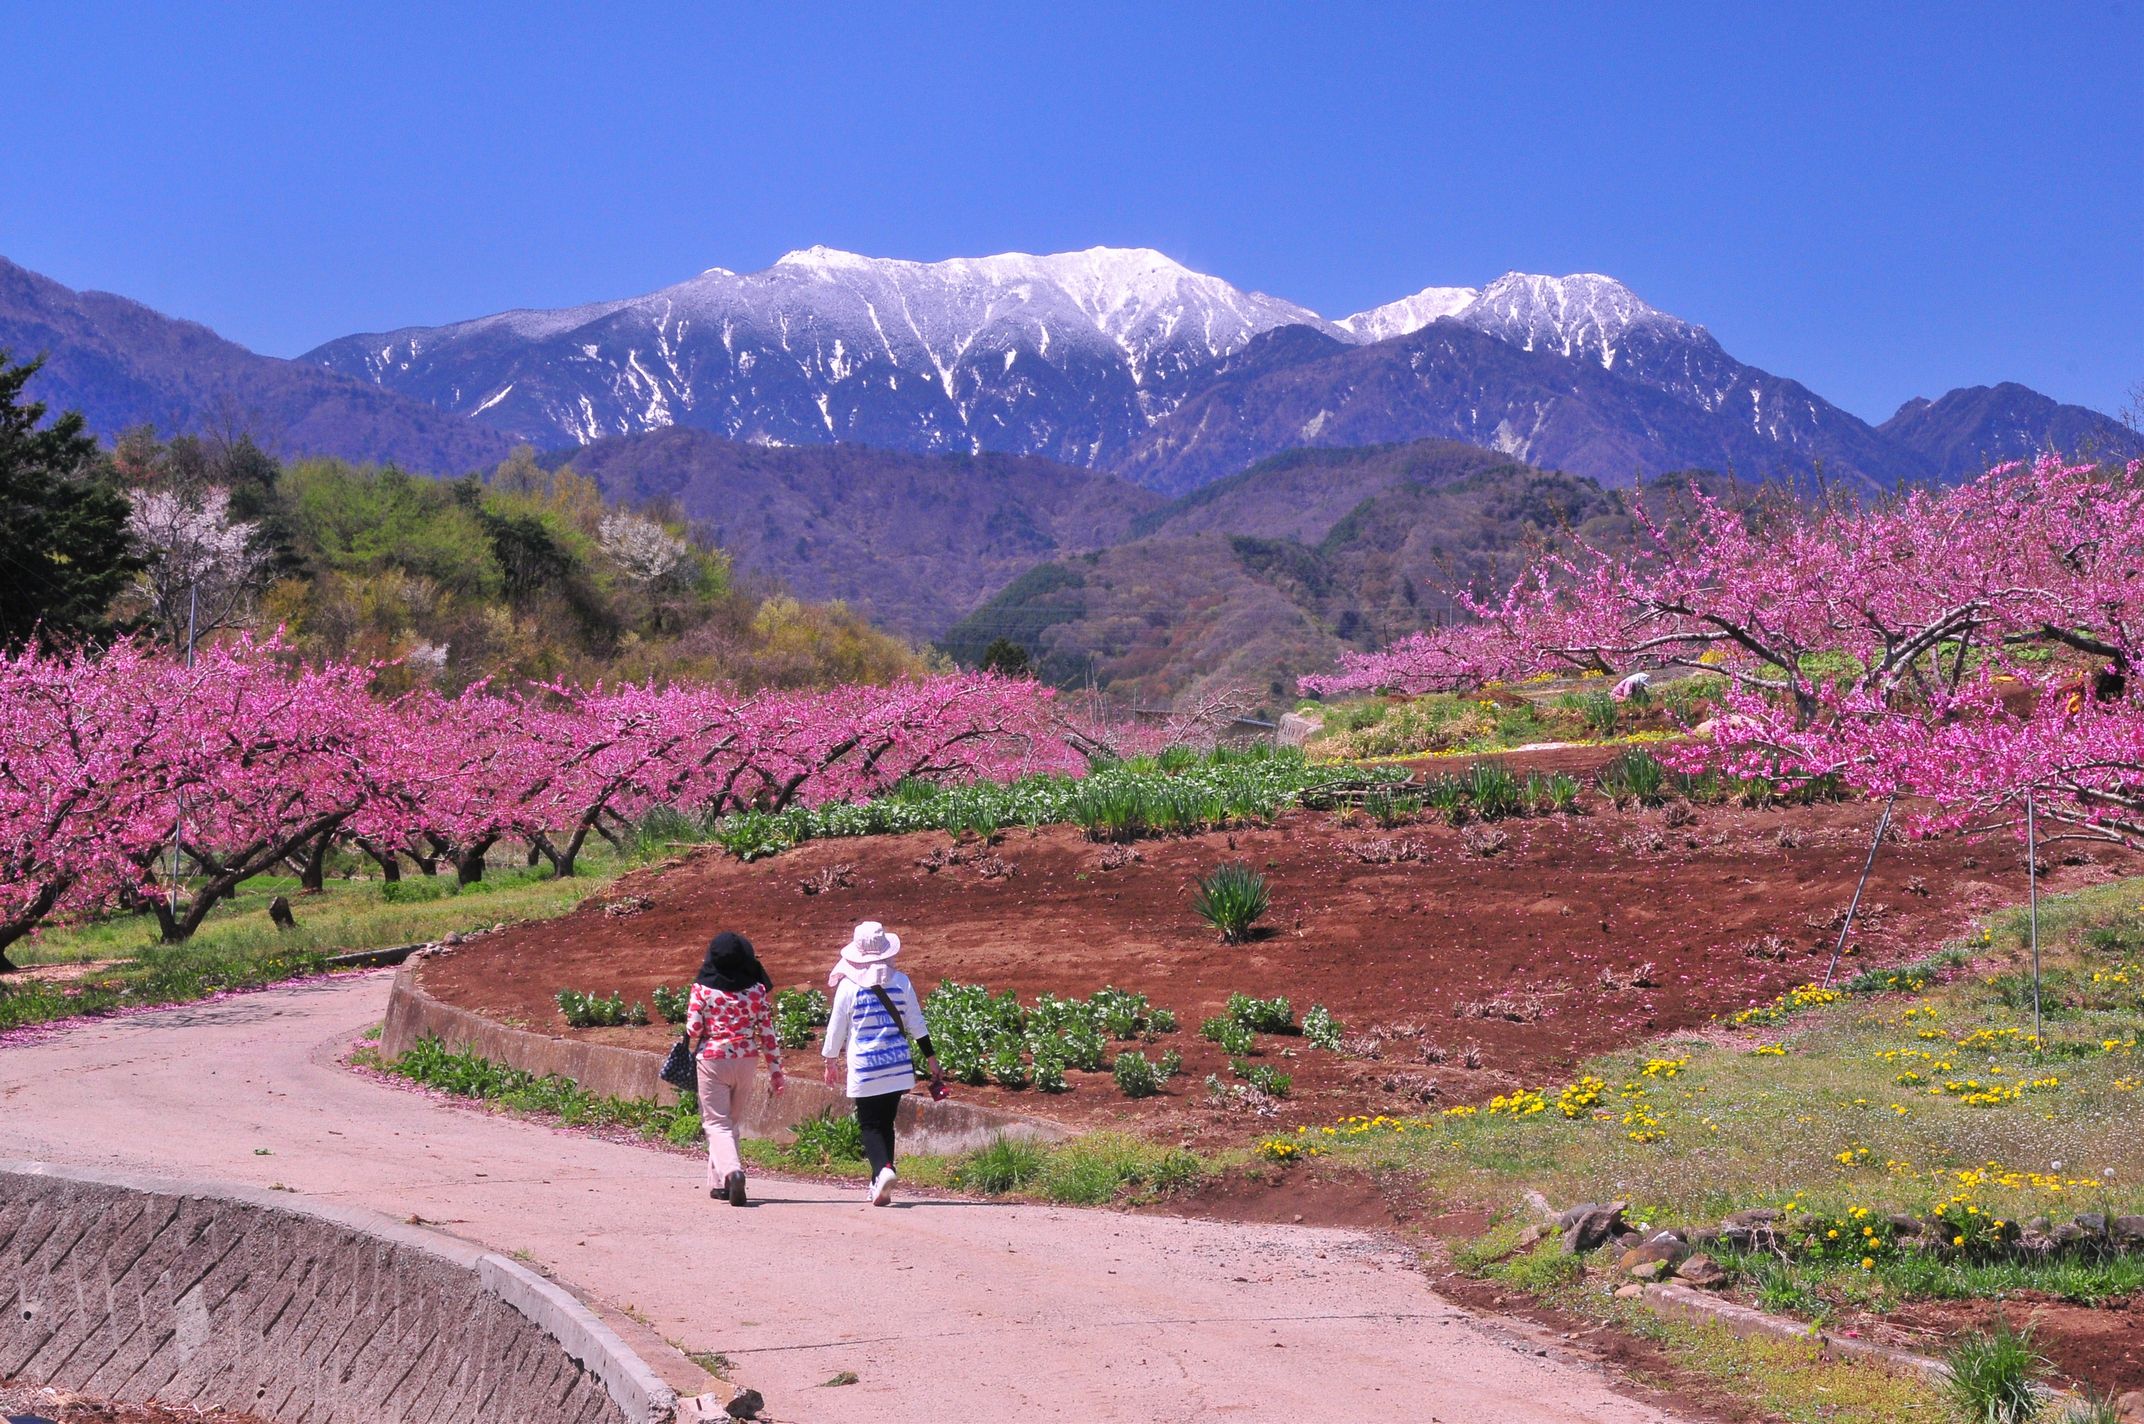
x=1464 y=973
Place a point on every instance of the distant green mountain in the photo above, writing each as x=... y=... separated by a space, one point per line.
x=912 y=541
x=1256 y=579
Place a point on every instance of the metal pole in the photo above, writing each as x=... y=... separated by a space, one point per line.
x=1882 y=825
x=178 y=821
x=2032 y=891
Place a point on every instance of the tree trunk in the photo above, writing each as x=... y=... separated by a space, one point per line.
x=573 y=850
x=48 y=895
x=562 y=861
x=469 y=863
x=535 y=850
x=314 y=877
x=389 y=863
x=168 y=929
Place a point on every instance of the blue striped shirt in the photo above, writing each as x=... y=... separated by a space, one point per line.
x=877 y=1046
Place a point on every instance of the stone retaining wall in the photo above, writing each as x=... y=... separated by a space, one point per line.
x=192 y=1294
x=612 y=1072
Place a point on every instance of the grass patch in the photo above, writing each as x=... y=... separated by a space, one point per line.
x=1786 y=1380
x=238 y=948
x=1088 y=1171
x=1915 y=1090
x=1006 y=1165
x=162 y=975
x=1543 y=1270
x=347 y=915
x=1992 y=1374
x=1811 y=1289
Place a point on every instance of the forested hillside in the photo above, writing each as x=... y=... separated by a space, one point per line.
x=524 y=574
x=1257 y=579
x=912 y=541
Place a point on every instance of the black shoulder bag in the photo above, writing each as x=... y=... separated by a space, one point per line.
x=681 y=1069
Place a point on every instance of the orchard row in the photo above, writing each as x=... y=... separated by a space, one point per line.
x=1969 y=646
x=131 y=780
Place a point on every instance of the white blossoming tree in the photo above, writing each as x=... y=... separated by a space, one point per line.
x=203 y=568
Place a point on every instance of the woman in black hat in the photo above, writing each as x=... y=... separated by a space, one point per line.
x=730 y=1020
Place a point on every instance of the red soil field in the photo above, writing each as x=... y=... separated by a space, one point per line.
x=1505 y=954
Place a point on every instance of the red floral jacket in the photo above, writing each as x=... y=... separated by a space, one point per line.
x=733 y=1025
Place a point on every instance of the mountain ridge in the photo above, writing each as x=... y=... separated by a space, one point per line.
x=123 y=364
x=1117 y=359
x=1964 y=431
x=1091 y=357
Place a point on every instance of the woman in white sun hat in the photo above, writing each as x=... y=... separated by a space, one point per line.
x=874 y=1014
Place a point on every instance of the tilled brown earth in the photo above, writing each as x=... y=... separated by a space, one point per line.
x=2102 y=1345
x=1577 y=935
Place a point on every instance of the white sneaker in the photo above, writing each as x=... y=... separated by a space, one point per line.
x=882 y=1187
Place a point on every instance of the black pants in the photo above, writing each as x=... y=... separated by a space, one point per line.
x=875 y=1116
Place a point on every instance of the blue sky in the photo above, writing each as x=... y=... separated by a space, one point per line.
x=1881 y=201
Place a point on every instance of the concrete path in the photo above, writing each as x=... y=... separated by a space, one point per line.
x=943 y=1310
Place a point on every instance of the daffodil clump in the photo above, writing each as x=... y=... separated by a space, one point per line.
x=1315 y=1142
x=1794 y=1001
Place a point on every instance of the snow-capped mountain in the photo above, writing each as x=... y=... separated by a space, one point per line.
x=1589 y=317
x=1407 y=314
x=1094 y=358
x=1068 y=355
x=1584 y=315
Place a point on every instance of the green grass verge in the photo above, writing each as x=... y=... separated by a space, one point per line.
x=166 y=975
x=237 y=947
x=1093 y=1170
x=347 y=915
x=1786 y=1380
x=1913 y=1092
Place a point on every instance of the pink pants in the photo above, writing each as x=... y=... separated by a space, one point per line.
x=723 y=1083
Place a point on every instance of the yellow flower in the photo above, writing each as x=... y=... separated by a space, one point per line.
x=1868 y=1263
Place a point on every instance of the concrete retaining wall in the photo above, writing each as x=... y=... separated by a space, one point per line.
x=612 y=1072
x=191 y=1294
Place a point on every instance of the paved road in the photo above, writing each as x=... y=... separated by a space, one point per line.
x=944 y=1310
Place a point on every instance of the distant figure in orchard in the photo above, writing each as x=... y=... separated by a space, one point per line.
x=874 y=1014
x=730 y=1020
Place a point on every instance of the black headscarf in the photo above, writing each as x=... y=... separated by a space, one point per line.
x=731 y=965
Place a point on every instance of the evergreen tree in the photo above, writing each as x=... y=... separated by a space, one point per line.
x=66 y=550
x=1008 y=658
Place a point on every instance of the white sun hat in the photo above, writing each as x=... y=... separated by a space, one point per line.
x=868 y=956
